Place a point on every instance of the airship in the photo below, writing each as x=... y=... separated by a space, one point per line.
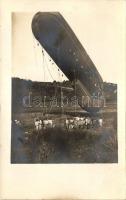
x=58 y=39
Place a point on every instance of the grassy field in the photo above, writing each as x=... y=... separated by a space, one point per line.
x=87 y=146
x=58 y=145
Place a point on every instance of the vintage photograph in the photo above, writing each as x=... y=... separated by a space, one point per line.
x=64 y=103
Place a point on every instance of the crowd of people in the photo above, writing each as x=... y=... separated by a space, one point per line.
x=84 y=122
x=43 y=124
x=70 y=123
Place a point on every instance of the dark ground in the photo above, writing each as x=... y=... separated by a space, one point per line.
x=58 y=145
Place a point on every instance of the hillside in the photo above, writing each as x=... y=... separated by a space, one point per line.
x=22 y=88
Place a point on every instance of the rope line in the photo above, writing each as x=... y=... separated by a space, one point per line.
x=34 y=52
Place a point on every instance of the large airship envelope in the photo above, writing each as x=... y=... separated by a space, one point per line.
x=57 y=38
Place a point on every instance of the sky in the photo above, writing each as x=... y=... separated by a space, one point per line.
x=98 y=26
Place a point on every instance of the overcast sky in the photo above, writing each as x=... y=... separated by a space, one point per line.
x=98 y=26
